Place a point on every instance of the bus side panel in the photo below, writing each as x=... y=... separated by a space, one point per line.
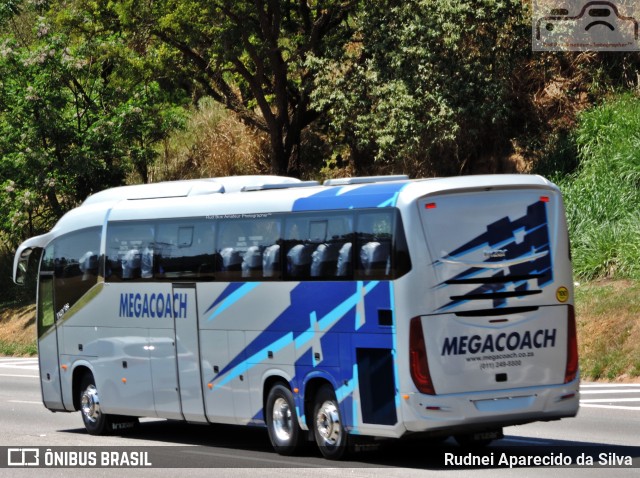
x=123 y=372
x=229 y=312
x=277 y=358
x=218 y=397
x=162 y=356
x=340 y=331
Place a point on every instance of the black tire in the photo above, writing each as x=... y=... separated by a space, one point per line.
x=96 y=422
x=282 y=421
x=328 y=429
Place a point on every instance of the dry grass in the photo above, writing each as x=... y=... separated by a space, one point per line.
x=609 y=330
x=214 y=143
x=18 y=331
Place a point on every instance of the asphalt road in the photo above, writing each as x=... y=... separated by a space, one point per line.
x=607 y=430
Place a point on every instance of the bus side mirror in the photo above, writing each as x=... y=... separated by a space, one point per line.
x=22 y=266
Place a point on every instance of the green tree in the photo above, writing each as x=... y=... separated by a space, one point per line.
x=77 y=114
x=249 y=56
x=425 y=85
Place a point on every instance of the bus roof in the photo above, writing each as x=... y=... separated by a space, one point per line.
x=260 y=194
x=237 y=195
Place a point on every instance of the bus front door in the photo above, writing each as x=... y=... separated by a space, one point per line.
x=185 y=311
x=48 y=344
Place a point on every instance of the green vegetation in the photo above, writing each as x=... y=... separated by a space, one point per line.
x=79 y=111
x=95 y=94
x=417 y=91
x=603 y=194
x=13 y=349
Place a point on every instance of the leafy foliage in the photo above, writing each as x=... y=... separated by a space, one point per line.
x=76 y=116
x=427 y=79
x=91 y=91
x=248 y=56
x=603 y=196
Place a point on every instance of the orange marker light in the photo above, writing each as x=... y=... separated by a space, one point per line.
x=64 y=367
x=296 y=390
x=210 y=386
x=124 y=380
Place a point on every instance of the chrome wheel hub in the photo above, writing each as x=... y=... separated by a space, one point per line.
x=328 y=423
x=282 y=419
x=90 y=404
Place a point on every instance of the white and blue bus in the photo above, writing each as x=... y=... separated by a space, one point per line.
x=376 y=307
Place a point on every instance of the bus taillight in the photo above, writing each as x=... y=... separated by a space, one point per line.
x=572 y=348
x=418 y=358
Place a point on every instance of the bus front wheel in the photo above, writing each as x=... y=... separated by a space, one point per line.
x=95 y=421
x=282 y=421
x=328 y=427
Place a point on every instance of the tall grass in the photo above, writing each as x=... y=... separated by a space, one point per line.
x=213 y=143
x=603 y=195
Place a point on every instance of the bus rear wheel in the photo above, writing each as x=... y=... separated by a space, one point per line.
x=328 y=427
x=282 y=421
x=95 y=421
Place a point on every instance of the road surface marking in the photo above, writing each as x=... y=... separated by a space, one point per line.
x=610 y=407
x=593 y=392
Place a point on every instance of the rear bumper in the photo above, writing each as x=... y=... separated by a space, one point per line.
x=487 y=410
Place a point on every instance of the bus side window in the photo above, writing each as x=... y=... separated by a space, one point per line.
x=130 y=263
x=381 y=247
x=374 y=232
x=249 y=249
x=297 y=250
x=332 y=257
x=184 y=250
x=89 y=266
x=299 y=261
x=75 y=266
x=271 y=262
x=344 y=269
x=130 y=251
x=317 y=246
x=230 y=247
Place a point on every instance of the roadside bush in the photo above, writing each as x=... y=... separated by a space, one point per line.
x=603 y=195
